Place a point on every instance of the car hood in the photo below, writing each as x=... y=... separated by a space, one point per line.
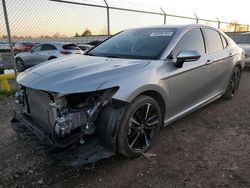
x=78 y=73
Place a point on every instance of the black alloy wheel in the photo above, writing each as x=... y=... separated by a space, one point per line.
x=140 y=126
x=234 y=83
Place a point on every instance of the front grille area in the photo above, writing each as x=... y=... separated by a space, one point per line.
x=40 y=111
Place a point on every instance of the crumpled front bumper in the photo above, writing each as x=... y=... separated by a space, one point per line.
x=74 y=155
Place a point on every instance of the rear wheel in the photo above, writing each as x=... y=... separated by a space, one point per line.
x=139 y=127
x=20 y=65
x=234 y=82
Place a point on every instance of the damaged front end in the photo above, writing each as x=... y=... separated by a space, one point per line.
x=75 y=129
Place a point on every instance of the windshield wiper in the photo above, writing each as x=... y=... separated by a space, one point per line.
x=90 y=54
x=110 y=56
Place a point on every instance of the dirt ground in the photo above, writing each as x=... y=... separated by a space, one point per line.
x=209 y=148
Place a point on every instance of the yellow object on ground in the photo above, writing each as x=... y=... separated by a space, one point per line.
x=4 y=84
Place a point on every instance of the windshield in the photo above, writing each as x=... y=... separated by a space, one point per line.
x=243 y=39
x=147 y=43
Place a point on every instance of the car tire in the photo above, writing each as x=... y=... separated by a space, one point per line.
x=139 y=126
x=20 y=66
x=233 y=84
x=1 y=70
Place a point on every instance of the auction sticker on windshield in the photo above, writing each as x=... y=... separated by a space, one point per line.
x=161 y=33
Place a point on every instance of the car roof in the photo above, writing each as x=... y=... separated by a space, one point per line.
x=179 y=27
x=24 y=42
x=88 y=45
x=57 y=44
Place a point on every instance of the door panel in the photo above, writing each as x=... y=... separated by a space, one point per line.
x=219 y=67
x=32 y=58
x=189 y=86
x=47 y=51
x=219 y=60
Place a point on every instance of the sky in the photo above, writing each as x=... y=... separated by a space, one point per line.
x=225 y=10
x=42 y=17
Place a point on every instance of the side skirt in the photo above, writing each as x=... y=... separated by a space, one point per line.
x=192 y=109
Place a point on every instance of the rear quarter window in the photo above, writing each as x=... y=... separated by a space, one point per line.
x=70 y=47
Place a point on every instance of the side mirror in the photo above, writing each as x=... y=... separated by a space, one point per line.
x=186 y=56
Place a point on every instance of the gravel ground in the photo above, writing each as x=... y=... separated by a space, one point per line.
x=209 y=148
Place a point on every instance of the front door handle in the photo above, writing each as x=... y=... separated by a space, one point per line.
x=209 y=61
x=230 y=54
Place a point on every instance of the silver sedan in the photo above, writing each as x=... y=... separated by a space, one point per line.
x=117 y=96
x=243 y=40
x=45 y=52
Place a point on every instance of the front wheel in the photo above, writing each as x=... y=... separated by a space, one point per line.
x=20 y=66
x=234 y=83
x=139 y=127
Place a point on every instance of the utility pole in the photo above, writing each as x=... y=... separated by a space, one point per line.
x=9 y=36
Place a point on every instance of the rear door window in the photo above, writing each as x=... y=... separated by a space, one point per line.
x=213 y=39
x=48 y=47
x=70 y=47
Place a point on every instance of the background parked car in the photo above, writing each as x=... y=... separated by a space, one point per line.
x=95 y=42
x=243 y=41
x=85 y=47
x=1 y=65
x=5 y=54
x=45 y=52
x=4 y=47
x=23 y=46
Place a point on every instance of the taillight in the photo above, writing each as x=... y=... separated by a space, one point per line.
x=65 y=52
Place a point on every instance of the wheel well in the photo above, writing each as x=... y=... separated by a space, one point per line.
x=52 y=57
x=239 y=65
x=18 y=58
x=155 y=95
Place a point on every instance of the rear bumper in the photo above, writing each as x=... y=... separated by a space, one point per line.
x=74 y=155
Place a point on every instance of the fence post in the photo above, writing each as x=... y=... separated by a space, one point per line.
x=218 y=22
x=9 y=36
x=197 y=19
x=107 y=17
x=165 y=15
x=235 y=30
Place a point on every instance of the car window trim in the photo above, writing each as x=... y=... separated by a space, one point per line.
x=193 y=68
x=221 y=36
x=204 y=41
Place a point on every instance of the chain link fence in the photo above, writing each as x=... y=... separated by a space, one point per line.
x=82 y=21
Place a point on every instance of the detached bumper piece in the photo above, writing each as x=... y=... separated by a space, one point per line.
x=74 y=155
